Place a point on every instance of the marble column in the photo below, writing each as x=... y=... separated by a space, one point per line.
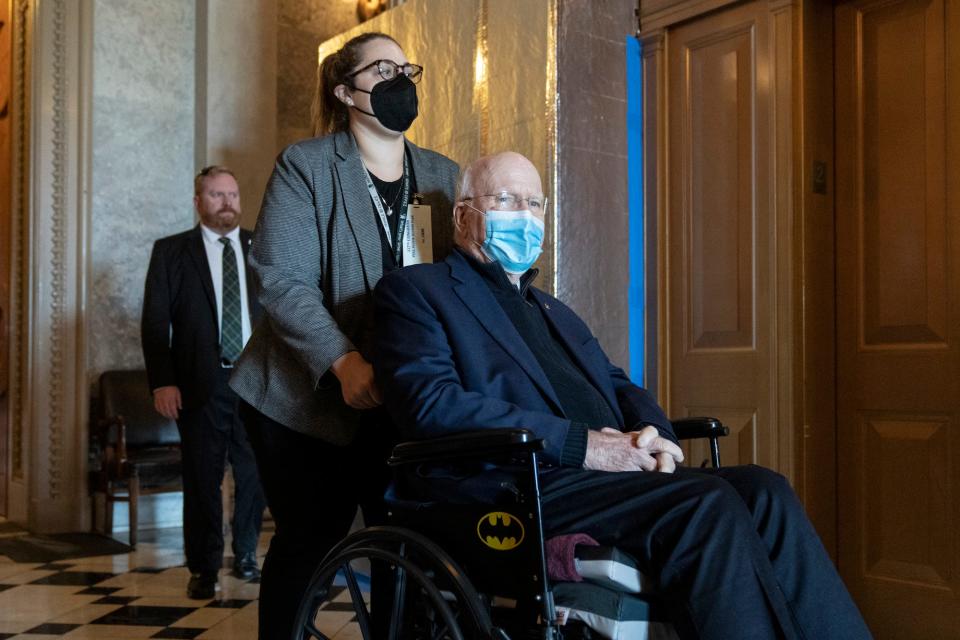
x=142 y=161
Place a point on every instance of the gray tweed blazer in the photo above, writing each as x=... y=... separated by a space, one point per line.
x=316 y=259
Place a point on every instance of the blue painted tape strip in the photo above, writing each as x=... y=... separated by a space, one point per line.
x=635 y=301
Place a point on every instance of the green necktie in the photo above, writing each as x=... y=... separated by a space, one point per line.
x=231 y=326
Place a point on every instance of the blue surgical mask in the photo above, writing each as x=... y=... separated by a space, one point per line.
x=514 y=239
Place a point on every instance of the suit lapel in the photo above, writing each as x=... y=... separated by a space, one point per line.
x=351 y=176
x=199 y=256
x=599 y=378
x=473 y=291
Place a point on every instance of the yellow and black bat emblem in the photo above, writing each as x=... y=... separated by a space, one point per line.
x=501 y=531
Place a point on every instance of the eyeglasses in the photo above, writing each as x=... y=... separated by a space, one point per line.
x=388 y=70
x=506 y=201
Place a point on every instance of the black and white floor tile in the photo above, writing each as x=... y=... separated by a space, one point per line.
x=141 y=594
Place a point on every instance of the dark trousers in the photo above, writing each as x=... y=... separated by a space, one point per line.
x=211 y=435
x=313 y=490
x=731 y=546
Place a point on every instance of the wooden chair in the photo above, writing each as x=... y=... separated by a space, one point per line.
x=138 y=449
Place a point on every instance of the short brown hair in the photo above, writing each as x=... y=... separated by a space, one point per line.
x=210 y=172
x=329 y=114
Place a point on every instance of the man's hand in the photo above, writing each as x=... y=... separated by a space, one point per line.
x=166 y=400
x=666 y=463
x=644 y=450
x=356 y=381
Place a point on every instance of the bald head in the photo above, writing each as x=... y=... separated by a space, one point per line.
x=499 y=172
x=507 y=171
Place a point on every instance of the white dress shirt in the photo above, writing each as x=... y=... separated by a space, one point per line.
x=214 y=248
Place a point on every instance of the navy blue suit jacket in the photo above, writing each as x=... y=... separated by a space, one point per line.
x=448 y=359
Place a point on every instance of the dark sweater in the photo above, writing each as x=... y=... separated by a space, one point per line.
x=580 y=401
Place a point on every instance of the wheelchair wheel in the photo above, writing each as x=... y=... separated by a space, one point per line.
x=420 y=592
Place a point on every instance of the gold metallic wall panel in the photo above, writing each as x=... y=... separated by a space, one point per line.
x=519 y=61
x=443 y=41
x=485 y=86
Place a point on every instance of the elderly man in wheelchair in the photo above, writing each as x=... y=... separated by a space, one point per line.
x=539 y=495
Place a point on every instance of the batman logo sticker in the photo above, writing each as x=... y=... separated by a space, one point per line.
x=500 y=531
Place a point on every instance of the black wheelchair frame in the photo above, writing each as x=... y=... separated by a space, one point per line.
x=444 y=603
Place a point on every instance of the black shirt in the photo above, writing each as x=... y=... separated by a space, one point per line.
x=389 y=191
x=581 y=402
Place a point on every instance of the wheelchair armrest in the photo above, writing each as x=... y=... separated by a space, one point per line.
x=689 y=428
x=482 y=443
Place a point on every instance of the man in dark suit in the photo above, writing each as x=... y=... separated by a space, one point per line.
x=198 y=309
x=469 y=343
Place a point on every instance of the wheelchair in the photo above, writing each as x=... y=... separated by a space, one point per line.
x=421 y=561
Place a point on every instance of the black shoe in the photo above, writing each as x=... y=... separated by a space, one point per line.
x=245 y=566
x=202 y=586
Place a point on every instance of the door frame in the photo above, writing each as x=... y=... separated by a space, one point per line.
x=818 y=449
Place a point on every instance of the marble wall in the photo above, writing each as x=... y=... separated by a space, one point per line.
x=592 y=228
x=178 y=85
x=142 y=148
x=236 y=94
x=301 y=26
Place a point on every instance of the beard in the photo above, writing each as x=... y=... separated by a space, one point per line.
x=224 y=219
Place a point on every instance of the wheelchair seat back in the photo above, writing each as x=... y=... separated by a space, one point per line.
x=495 y=543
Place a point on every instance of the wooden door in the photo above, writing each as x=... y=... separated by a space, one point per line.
x=720 y=270
x=897 y=144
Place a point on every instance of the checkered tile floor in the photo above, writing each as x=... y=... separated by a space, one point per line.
x=141 y=594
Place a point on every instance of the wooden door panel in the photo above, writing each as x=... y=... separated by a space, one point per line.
x=719 y=220
x=898 y=313
x=903 y=190
x=915 y=548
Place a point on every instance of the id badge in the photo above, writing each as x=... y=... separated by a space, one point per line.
x=418 y=236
